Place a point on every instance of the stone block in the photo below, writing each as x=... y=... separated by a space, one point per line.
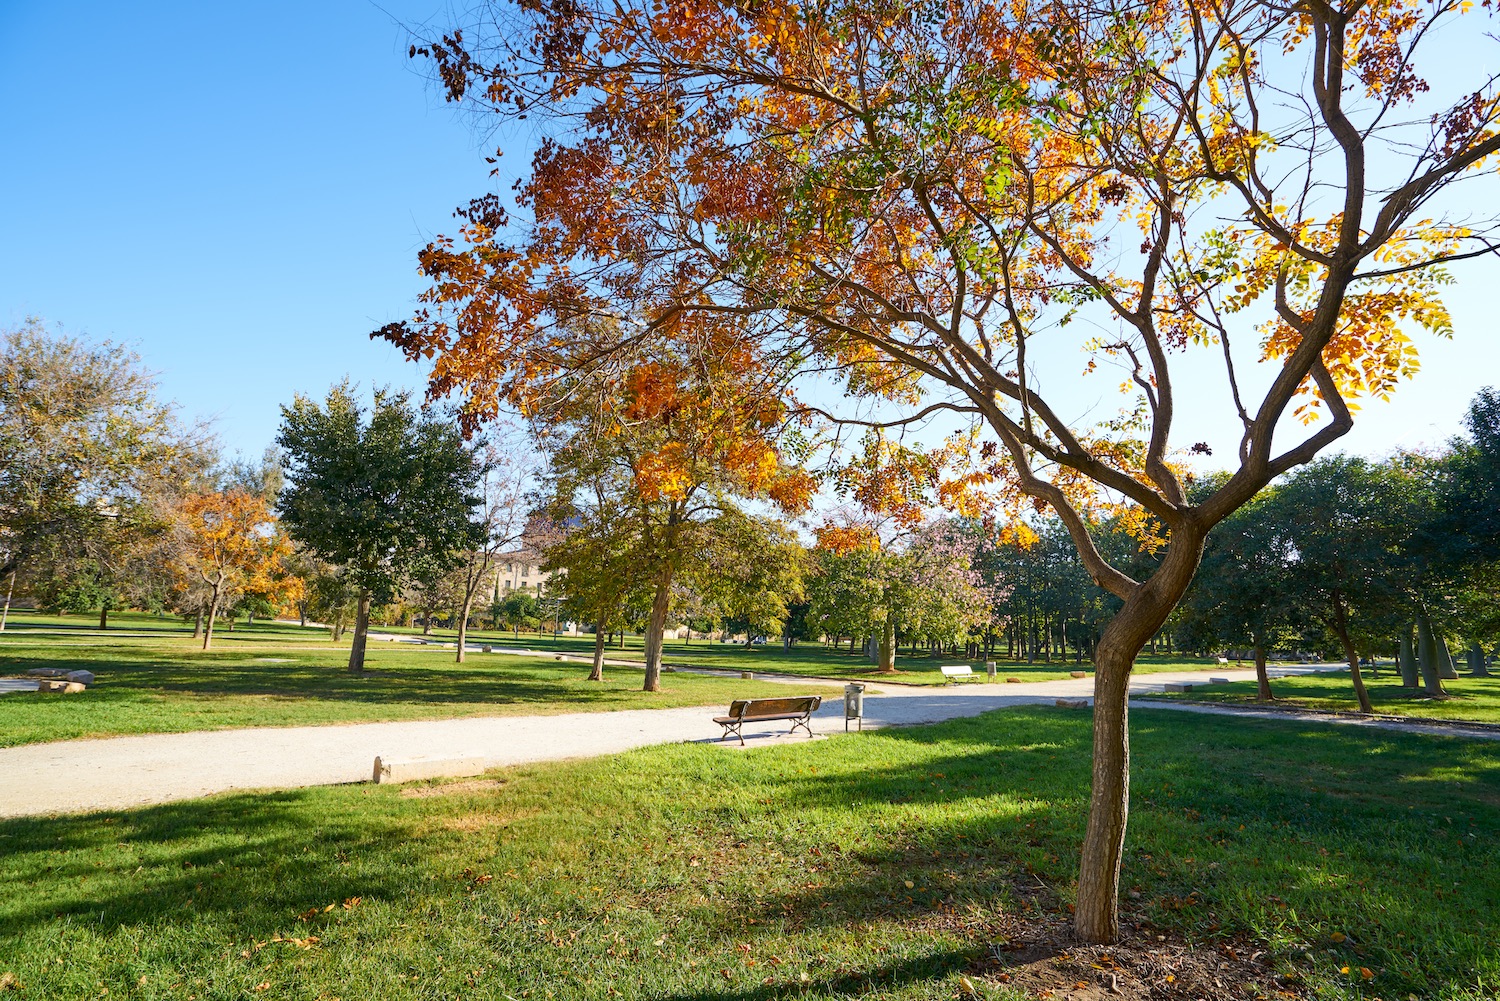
x=423 y=767
x=47 y=672
x=59 y=686
x=1172 y=686
x=82 y=677
x=1012 y=681
x=1218 y=681
x=1072 y=703
x=1078 y=674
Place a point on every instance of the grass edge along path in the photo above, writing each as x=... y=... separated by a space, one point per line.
x=1471 y=700
x=886 y=865
x=168 y=685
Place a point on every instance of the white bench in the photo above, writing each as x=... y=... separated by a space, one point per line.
x=1222 y=660
x=953 y=672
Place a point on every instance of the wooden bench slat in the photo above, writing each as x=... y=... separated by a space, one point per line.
x=799 y=709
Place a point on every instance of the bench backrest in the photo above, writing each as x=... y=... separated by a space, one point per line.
x=955 y=670
x=769 y=707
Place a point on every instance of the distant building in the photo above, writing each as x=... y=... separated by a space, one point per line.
x=519 y=571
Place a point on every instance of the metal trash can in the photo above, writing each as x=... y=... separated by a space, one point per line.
x=989 y=669
x=854 y=705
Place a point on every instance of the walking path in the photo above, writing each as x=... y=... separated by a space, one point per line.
x=119 y=772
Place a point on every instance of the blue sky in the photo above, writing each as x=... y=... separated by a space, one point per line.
x=239 y=192
x=236 y=190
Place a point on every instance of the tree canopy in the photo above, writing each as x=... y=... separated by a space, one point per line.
x=376 y=491
x=908 y=198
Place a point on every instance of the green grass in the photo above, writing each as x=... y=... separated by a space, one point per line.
x=274 y=675
x=804 y=659
x=1472 y=699
x=880 y=865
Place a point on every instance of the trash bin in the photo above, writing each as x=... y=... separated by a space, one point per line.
x=854 y=705
x=989 y=669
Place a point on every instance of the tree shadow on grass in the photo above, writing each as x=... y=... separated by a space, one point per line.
x=248 y=860
x=860 y=982
x=1237 y=825
x=232 y=674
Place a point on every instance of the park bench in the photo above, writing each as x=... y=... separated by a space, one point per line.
x=954 y=672
x=798 y=709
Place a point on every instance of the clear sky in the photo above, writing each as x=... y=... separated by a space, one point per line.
x=238 y=191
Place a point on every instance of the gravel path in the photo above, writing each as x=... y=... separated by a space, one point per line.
x=117 y=772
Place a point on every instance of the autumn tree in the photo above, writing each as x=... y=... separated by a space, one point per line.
x=911 y=198
x=376 y=492
x=675 y=438
x=233 y=549
x=84 y=444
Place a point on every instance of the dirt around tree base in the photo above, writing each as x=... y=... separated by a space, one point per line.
x=1043 y=959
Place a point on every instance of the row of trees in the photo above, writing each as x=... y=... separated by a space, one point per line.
x=108 y=500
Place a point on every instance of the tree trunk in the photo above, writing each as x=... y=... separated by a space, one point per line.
x=103 y=617
x=361 y=629
x=9 y=592
x=656 y=625
x=1097 y=917
x=1341 y=628
x=302 y=614
x=1446 y=668
x=213 y=611
x=1262 y=679
x=427 y=622
x=463 y=627
x=198 y=624
x=1477 y=666
x=886 y=646
x=600 y=638
x=1406 y=659
x=1427 y=656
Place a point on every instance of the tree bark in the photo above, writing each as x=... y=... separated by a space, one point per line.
x=1406 y=659
x=600 y=638
x=1447 y=670
x=1097 y=917
x=1262 y=679
x=104 y=616
x=9 y=592
x=886 y=646
x=656 y=626
x=463 y=626
x=198 y=624
x=213 y=611
x=1427 y=656
x=1477 y=667
x=361 y=629
x=1341 y=628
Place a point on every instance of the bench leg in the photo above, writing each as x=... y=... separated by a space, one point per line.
x=803 y=723
x=733 y=728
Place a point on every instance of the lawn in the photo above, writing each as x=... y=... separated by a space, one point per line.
x=881 y=865
x=1471 y=699
x=805 y=659
x=275 y=675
